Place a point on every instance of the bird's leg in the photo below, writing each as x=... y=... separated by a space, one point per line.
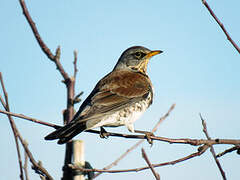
x=103 y=133
x=148 y=135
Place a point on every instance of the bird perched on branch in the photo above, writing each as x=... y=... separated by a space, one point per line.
x=118 y=99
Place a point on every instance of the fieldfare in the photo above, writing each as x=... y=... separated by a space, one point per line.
x=118 y=99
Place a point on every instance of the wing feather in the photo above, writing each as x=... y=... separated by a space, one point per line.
x=114 y=92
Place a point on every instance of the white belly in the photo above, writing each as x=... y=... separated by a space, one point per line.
x=126 y=116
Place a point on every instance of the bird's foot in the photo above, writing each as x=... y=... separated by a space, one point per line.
x=103 y=133
x=147 y=134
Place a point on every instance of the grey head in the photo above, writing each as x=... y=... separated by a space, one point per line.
x=135 y=58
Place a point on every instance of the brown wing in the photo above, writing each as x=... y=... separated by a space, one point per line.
x=115 y=91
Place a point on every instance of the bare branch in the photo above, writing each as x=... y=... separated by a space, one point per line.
x=30 y=119
x=221 y=25
x=75 y=64
x=13 y=126
x=114 y=163
x=38 y=167
x=200 y=152
x=194 y=142
x=212 y=149
x=25 y=167
x=43 y=46
x=5 y=104
x=77 y=98
x=144 y=155
x=163 y=118
x=60 y=67
x=2 y=101
x=234 y=148
x=71 y=100
x=69 y=82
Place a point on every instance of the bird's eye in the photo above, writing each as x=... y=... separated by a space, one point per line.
x=139 y=55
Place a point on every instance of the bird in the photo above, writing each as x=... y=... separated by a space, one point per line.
x=118 y=99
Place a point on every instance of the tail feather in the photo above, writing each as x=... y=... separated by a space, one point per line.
x=67 y=132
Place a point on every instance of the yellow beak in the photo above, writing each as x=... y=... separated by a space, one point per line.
x=153 y=53
x=143 y=66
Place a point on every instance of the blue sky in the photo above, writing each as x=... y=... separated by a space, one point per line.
x=199 y=71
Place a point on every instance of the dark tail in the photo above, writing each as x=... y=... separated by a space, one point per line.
x=67 y=132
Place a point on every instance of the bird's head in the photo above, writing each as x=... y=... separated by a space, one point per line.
x=135 y=58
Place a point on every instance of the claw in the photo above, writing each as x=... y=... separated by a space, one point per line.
x=103 y=133
x=149 y=139
x=147 y=134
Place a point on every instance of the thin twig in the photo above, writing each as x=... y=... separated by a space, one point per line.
x=25 y=167
x=40 y=169
x=13 y=126
x=36 y=166
x=212 y=149
x=114 y=163
x=234 y=148
x=43 y=46
x=30 y=119
x=60 y=67
x=200 y=152
x=144 y=155
x=221 y=25
x=68 y=81
x=75 y=64
x=194 y=142
x=77 y=98
x=2 y=101
x=163 y=118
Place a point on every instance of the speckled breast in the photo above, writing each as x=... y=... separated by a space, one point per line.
x=129 y=114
